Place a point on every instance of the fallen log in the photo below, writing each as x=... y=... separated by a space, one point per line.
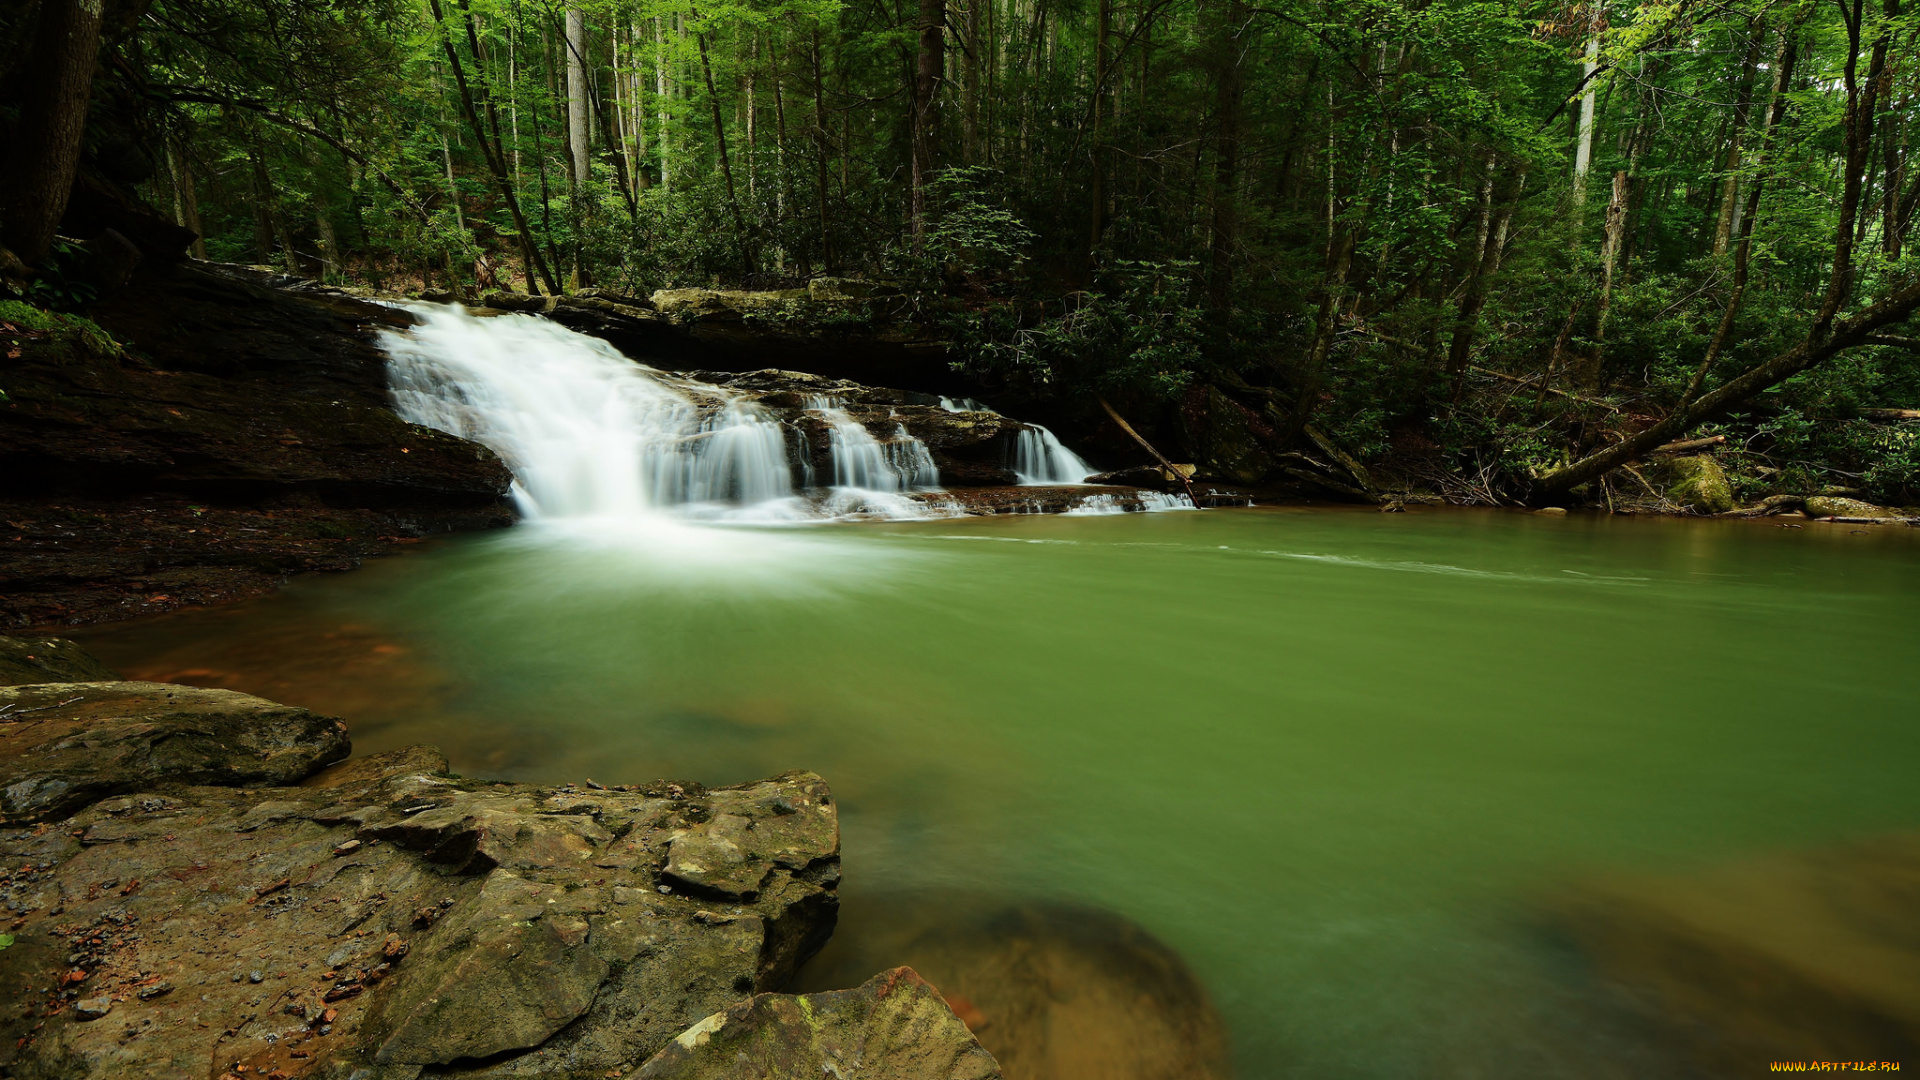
x=1772 y=504
x=1689 y=444
x=1148 y=447
x=1891 y=414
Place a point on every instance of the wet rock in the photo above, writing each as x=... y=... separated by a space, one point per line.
x=92 y=1008
x=1698 y=483
x=1050 y=991
x=1834 y=506
x=1796 y=956
x=476 y=929
x=892 y=1027
x=1551 y=511
x=128 y=472
x=25 y=660
x=64 y=745
x=1156 y=477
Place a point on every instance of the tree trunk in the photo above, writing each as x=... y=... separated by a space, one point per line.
x=1589 y=99
x=1828 y=336
x=1097 y=193
x=820 y=152
x=1492 y=248
x=1616 y=230
x=970 y=83
x=1229 y=91
x=726 y=165
x=491 y=150
x=1729 y=223
x=576 y=39
x=926 y=98
x=186 y=204
x=57 y=87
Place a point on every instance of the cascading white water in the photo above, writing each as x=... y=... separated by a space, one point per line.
x=1039 y=458
x=902 y=463
x=587 y=432
x=965 y=404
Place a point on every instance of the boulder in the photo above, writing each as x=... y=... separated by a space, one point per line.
x=892 y=1027
x=64 y=745
x=1049 y=990
x=26 y=660
x=1835 y=506
x=1698 y=483
x=1801 y=956
x=385 y=917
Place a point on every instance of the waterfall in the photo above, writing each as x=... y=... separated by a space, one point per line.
x=863 y=462
x=590 y=434
x=1039 y=458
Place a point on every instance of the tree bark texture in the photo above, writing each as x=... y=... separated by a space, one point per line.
x=37 y=178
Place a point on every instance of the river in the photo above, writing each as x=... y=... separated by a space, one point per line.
x=1341 y=761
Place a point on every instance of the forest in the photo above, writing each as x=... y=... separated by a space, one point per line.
x=1502 y=250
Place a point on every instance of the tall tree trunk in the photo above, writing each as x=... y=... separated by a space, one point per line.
x=970 y=83
x=664 y=96
x=186 y=203
x=931 y=61
x=492 y=150
x=1589 y=101
x=1615 y=235
x=577 y=150
x=1492 y=248
x=56 y=89
x=820 y=153
x=1728 y=222
x=1097 y=188
x=1783 y=65
x=1829 y=334
x=726 y=164
x=1229 y=91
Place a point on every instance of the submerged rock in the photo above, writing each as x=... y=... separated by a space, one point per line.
x=381 y=915
x=1799 y=956
x=1050 y=991
x=892 y=1027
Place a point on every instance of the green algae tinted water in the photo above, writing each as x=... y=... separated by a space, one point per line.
x=1338 y=760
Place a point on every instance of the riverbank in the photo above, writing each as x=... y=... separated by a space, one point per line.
x=198 y=879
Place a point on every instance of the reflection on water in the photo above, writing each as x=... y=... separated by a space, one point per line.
x=1343 y=763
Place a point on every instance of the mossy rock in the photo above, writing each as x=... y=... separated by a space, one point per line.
x=1699 y=483
x=1833 y=506
x=66 y=335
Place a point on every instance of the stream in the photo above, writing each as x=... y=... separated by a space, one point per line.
x=1342 y=762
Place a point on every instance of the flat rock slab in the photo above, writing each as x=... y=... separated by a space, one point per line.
x=64 y=745
x=892 y=1027
x=1799 y=956
x=385 y=918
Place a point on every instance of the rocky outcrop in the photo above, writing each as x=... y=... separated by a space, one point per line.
x=892 y=1027
x=234 y=432
x=1798 y=956
x=378 y=917
x=64 y=745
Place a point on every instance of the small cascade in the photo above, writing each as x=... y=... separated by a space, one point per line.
x=1039 y=458
x=964 y=404
x=860 y=461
